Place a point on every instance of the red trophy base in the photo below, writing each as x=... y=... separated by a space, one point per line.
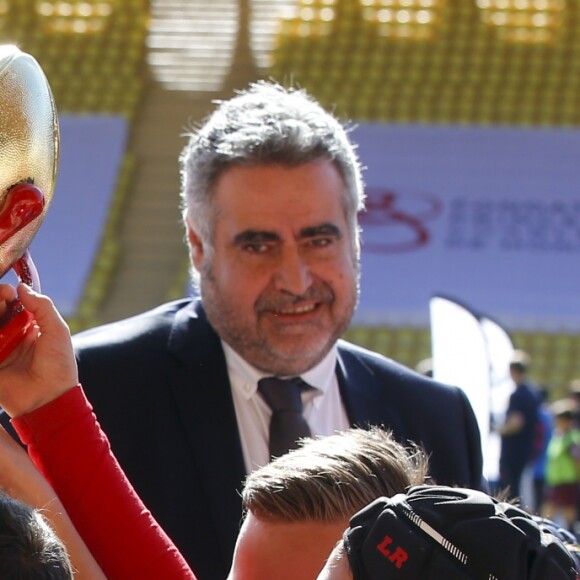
x=24 y=202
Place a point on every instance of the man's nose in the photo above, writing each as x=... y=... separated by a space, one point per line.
x=293 y=273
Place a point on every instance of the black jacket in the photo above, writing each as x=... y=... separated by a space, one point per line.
x=159 y=386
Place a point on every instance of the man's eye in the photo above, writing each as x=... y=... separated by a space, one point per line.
x=321 y=242
x=257 y=248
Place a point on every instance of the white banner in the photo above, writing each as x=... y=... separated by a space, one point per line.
x=474 y=352
x=488 y=215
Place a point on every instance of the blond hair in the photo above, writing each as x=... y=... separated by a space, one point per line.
x=330 y=478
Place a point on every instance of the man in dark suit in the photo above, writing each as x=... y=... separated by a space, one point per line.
x=271 y=191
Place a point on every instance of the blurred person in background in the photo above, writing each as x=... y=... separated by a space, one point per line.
x=574 y=396
x=519 y=429
x=425 y=367
x=545 y=428
x=563 y=466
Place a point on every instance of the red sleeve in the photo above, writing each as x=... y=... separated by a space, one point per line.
x=67 y=444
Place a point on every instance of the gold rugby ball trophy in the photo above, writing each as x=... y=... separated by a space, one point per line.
x=29 y=147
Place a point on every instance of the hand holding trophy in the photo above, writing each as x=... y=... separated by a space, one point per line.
x=29 y=147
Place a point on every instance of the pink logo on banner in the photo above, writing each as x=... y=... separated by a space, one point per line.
x=397 y=221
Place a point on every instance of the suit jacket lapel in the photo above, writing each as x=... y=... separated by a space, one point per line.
x=361 y=390
x=203 y=395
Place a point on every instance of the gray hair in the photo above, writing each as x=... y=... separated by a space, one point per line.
x=265 y=124
x=330 y=478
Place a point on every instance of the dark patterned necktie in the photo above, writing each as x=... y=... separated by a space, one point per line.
x=287 y=424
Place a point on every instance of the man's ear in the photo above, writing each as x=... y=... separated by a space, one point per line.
x=196 y=248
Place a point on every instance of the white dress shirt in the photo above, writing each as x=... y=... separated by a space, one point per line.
x=323 y=408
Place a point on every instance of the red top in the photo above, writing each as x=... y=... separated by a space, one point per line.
x=67 y=445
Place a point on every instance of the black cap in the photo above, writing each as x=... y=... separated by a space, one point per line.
x=436 y=532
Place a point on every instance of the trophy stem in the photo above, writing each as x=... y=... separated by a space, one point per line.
x=17 y=322
x=26 y=271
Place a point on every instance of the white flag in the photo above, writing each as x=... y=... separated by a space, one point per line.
x=472 y=351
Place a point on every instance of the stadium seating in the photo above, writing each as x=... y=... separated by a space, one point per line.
x=486 y=62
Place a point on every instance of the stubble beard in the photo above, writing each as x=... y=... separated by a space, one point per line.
x=247 y=339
